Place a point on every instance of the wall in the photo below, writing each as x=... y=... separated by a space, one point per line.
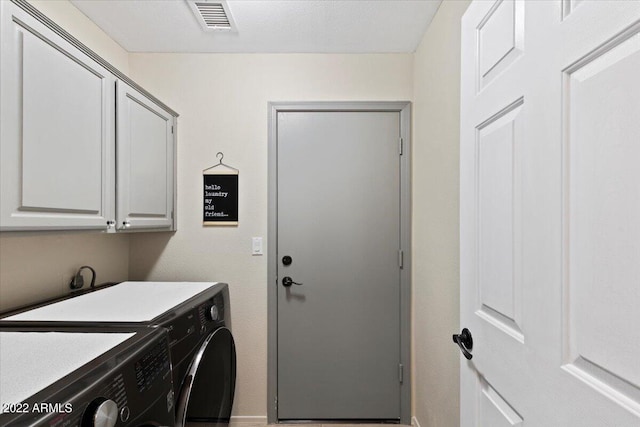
x=36 y=266
x=222 y=100
x=435 y=219
x=66 y=15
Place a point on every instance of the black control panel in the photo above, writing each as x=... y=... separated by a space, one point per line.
x=152 y=367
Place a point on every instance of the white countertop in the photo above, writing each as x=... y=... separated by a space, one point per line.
x=31 y=361
x=124 y=302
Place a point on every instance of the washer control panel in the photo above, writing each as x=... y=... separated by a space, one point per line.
x=151 y=367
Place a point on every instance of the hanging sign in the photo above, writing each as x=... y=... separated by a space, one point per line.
x=220 y=195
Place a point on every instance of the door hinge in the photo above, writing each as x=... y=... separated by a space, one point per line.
x=401 y=147
x=401 y=258
x=276 y=403
x=401 y=372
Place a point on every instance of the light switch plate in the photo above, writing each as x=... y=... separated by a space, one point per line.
x=256 y=246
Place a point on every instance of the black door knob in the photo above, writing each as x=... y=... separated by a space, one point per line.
x=288 y=281
x=287 y=260
x=465 y=342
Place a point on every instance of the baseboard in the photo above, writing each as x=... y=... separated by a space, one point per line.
x=414 y=422
x=243 y=420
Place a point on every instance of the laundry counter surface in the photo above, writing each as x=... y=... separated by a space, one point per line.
x=124 y=302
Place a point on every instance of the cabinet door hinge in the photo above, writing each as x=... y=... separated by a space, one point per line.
x=401 y=258
x=400 y=372
x=401 y=147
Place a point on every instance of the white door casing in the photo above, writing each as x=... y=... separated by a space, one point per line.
x=550 y=213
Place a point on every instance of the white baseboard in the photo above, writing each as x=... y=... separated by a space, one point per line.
x=239 y=420
x=414 y=422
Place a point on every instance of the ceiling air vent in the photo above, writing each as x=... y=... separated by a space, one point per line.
x=212 y=15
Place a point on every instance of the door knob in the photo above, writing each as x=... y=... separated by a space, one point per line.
x=465 y=342
x=288 y=281
x=287 y=260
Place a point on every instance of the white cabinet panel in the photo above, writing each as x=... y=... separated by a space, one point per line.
x=57 y=113
x=145 y=157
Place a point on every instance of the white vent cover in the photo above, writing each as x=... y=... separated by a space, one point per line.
x=213 y=15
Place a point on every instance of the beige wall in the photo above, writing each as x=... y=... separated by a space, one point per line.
x=222 y=100
x=66 y=15
x=435 y=219
x=36 y=266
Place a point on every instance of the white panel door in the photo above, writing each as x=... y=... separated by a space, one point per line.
x=550 y=213
x=145 y=155
x=57 y=146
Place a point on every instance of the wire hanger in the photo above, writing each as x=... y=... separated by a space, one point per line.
x=220 y=156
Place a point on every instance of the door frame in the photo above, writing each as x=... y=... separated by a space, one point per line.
x=404 y=109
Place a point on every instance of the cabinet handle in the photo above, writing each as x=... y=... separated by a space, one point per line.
x=126 y=224
x=110 y=223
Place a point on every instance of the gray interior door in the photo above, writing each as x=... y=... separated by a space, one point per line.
x=338 y=219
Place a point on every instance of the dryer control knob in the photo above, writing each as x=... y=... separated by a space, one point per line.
x=106 y=413
x=213 y=313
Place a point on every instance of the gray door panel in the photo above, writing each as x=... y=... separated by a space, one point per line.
x=338 y=207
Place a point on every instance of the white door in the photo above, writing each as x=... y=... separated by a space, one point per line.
x=550 y=213
x=145 y=155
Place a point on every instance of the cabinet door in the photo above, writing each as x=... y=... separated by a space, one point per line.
x=57 y=140
x=145 y=157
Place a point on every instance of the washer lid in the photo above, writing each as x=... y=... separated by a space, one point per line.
x=32 y=361
x=124 y=302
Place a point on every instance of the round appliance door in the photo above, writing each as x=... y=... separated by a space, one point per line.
x=207 y=390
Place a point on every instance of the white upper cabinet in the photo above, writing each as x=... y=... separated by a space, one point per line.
x=59 y=151
x=57 y=146
x=145 y=158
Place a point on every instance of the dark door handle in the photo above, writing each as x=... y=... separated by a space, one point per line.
x=465 y=342
x=288 y=281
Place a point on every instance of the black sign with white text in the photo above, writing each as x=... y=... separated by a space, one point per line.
x=220 y=199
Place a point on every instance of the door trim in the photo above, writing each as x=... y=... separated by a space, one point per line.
x=404 y=108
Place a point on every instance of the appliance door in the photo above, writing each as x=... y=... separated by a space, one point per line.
x=207 y=391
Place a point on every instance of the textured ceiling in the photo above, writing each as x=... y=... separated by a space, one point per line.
x=270 y=26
